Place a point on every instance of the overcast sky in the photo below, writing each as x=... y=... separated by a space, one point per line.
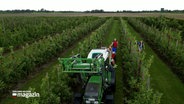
x=83 y=5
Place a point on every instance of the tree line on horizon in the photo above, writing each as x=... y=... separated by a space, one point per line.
x=88 y=11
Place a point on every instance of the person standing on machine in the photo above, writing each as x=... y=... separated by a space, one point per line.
x=114 y=46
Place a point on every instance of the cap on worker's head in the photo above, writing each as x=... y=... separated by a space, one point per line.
x=114 y=39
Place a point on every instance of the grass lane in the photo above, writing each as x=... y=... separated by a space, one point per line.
x=162 y=78
x=115 y=32
x=119 y=77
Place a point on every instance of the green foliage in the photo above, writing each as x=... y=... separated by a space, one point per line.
x=145 y=97
x=166 y=42
x=1 y=56
x=163 y=22
x=20 y=30
x=1 y=29
x=31 y=100
x=54 y=88
x=95 y=39
x=2 y=86
x=136 y=72
x=21 y=64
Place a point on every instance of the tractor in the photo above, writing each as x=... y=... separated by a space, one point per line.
x=96 y=74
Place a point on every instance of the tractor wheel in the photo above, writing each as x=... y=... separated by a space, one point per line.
x=77 y=98
x=113 y=80
x=109 y=99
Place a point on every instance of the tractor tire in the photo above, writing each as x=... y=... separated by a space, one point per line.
x=113 y=80
x=77 y=98
x=109 y=99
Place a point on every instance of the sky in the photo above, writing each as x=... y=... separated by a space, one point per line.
x=83 y=5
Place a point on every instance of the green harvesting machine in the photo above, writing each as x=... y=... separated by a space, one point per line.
x=97 y=75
